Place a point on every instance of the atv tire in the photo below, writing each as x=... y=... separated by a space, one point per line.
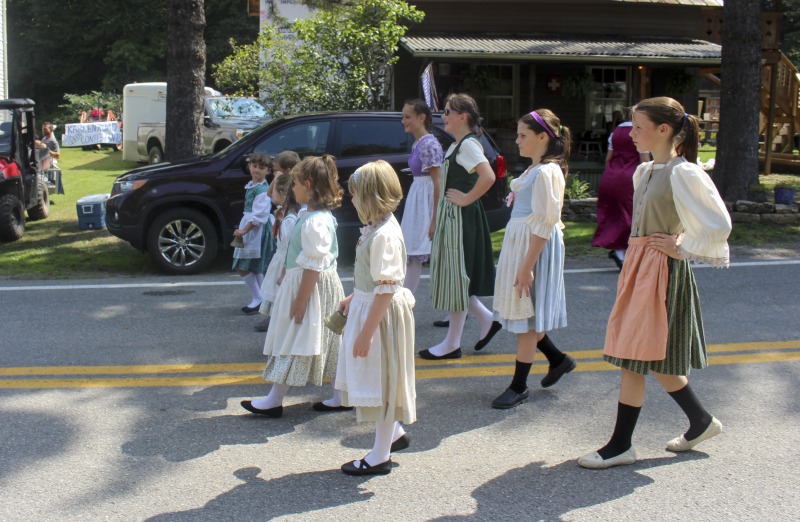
x=12 y=218
x=42 y=209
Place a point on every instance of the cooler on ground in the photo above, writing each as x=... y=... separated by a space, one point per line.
x=92 y=211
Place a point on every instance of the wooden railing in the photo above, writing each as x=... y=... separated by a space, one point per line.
x=780 y=104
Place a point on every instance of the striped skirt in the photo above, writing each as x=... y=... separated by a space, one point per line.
x=449 y=279
x=686 y=345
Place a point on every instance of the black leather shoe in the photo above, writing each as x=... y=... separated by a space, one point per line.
x=401 y=443
x=442 y=324
x=509 y=399
x=321 y=406
x=614 y=257
x=426 y=354
x=480 y=345
x=384 y=468
x=250 y=310
x=554 y=374
x=274 y=413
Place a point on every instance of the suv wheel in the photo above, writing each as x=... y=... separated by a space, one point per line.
x=12 y=218
x=155 y=155
x=42 y=209
x=182 y=241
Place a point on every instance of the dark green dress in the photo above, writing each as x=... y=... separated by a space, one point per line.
x=461 y=255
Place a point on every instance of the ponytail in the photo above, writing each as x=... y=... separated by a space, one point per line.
x=688 y=138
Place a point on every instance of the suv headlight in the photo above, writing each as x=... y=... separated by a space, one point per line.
x=127 y=185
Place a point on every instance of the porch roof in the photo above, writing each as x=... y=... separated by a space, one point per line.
x=565 y=49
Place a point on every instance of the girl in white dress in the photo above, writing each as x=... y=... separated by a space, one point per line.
x=419 y=214
x=251 y=259
x=285 y=219
x=529 y=295
x=376 y=363
x=300 y=349
x=656 y=325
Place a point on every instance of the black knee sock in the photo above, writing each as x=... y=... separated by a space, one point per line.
x=520 y=381
x=623 y=431
x=553 y=354
x=699 y=418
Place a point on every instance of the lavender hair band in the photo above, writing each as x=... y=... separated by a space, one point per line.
x=540 y=121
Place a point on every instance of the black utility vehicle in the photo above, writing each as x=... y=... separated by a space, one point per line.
x=23 y=169
x=182 y=213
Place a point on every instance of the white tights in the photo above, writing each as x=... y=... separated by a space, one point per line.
x=457 y=319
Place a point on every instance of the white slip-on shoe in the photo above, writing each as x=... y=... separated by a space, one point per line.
x=681 y=444
x=595 y=461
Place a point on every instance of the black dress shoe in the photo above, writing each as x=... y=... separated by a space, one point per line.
x=554 y=374
x=274 y=413
x=509 y=399
x=442 y=324
x=250 y=310
x=614 y=257
x=426 y=354
x=401 y=443
x=321 y=406
x=480 y=345
x=384 y=468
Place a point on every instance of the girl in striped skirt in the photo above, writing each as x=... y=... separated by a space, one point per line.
x=656 y=325
x=529 y=295
x=462 y=267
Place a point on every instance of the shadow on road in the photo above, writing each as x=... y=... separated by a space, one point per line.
x=549 y=493
x=276 y=497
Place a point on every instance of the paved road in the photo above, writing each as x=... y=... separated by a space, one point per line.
x=119 y=400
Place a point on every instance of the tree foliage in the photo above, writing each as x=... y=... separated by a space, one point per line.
x=90 y=46
x=339 y=59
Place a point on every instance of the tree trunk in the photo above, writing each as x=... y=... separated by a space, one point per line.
x=186 y=70
x=740 y=99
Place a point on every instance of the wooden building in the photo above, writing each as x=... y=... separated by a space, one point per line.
x=584 y=59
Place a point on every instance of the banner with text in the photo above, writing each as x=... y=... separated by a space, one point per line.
x=82 y=134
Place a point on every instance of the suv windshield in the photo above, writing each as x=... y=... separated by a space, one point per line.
x=226 y=107
x=6 y=118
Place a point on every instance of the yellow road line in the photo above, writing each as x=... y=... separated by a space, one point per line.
x=468 y=366
x=131 y=370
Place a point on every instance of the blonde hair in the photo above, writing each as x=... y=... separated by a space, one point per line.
x=325 y=192
x=378 y=190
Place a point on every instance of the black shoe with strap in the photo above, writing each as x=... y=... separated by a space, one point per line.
x=350 y=468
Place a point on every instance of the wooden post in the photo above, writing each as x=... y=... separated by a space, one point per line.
x=773 y=82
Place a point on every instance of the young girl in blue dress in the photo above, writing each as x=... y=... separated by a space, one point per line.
x=376 y=362
x=250 y=260
x=300 y=349
x=529 y=297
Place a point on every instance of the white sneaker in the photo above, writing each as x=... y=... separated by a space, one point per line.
x=681 y=444
x=595 y=461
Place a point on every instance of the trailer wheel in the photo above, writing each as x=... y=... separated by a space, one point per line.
x=12 y=218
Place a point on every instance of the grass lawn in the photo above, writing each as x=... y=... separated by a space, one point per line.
x=55 y=248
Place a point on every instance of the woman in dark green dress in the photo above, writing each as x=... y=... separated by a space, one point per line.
x=462 y=267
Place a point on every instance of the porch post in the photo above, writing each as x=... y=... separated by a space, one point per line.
x=773 y=82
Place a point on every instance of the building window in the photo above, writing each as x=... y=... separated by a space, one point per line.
x=494 y=87
x=610 y=93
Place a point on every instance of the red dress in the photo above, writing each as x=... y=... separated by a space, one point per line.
x=615 y=194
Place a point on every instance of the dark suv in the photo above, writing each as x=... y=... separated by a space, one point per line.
x=183 y=212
